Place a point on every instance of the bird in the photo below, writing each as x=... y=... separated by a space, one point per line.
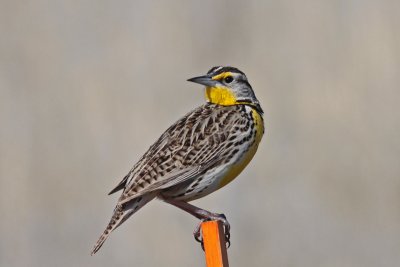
x=199 y=154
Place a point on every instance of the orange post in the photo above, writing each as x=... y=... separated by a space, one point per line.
x=214 y=244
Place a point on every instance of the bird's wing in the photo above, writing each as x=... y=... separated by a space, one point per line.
x=173 y=178
x=188 y=148
x=120 y=186
x=160 y=143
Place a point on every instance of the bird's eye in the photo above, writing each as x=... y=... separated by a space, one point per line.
x=228 y=79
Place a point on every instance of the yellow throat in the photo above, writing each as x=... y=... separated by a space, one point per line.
x=220 y=95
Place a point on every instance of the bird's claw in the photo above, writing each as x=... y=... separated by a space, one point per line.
x=227 y=236
x=227 y=229
x=198 y=235
x=197 y=232
x=220 y=217
x=227 y=233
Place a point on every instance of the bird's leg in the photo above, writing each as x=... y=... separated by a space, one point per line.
x=203 y=215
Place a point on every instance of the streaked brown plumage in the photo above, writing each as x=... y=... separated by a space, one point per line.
x=197 y=155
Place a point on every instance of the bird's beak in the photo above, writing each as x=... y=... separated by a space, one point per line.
x=204 y=80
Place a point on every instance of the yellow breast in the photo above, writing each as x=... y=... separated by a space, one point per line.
x=238 y=167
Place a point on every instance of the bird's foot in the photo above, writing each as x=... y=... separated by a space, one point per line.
x=215 y=217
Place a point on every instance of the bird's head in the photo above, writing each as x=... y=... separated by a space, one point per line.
x=227 y=86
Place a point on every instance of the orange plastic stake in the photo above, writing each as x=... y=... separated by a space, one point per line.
x=214 y=244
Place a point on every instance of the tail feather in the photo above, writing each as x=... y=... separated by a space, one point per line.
x=120 y=215
x=113 y=224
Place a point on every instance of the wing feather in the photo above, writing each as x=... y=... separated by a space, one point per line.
x=185 y=150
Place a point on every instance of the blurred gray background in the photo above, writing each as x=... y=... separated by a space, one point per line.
x=87 y=86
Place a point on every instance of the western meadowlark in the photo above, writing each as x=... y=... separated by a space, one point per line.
x=200 y=153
